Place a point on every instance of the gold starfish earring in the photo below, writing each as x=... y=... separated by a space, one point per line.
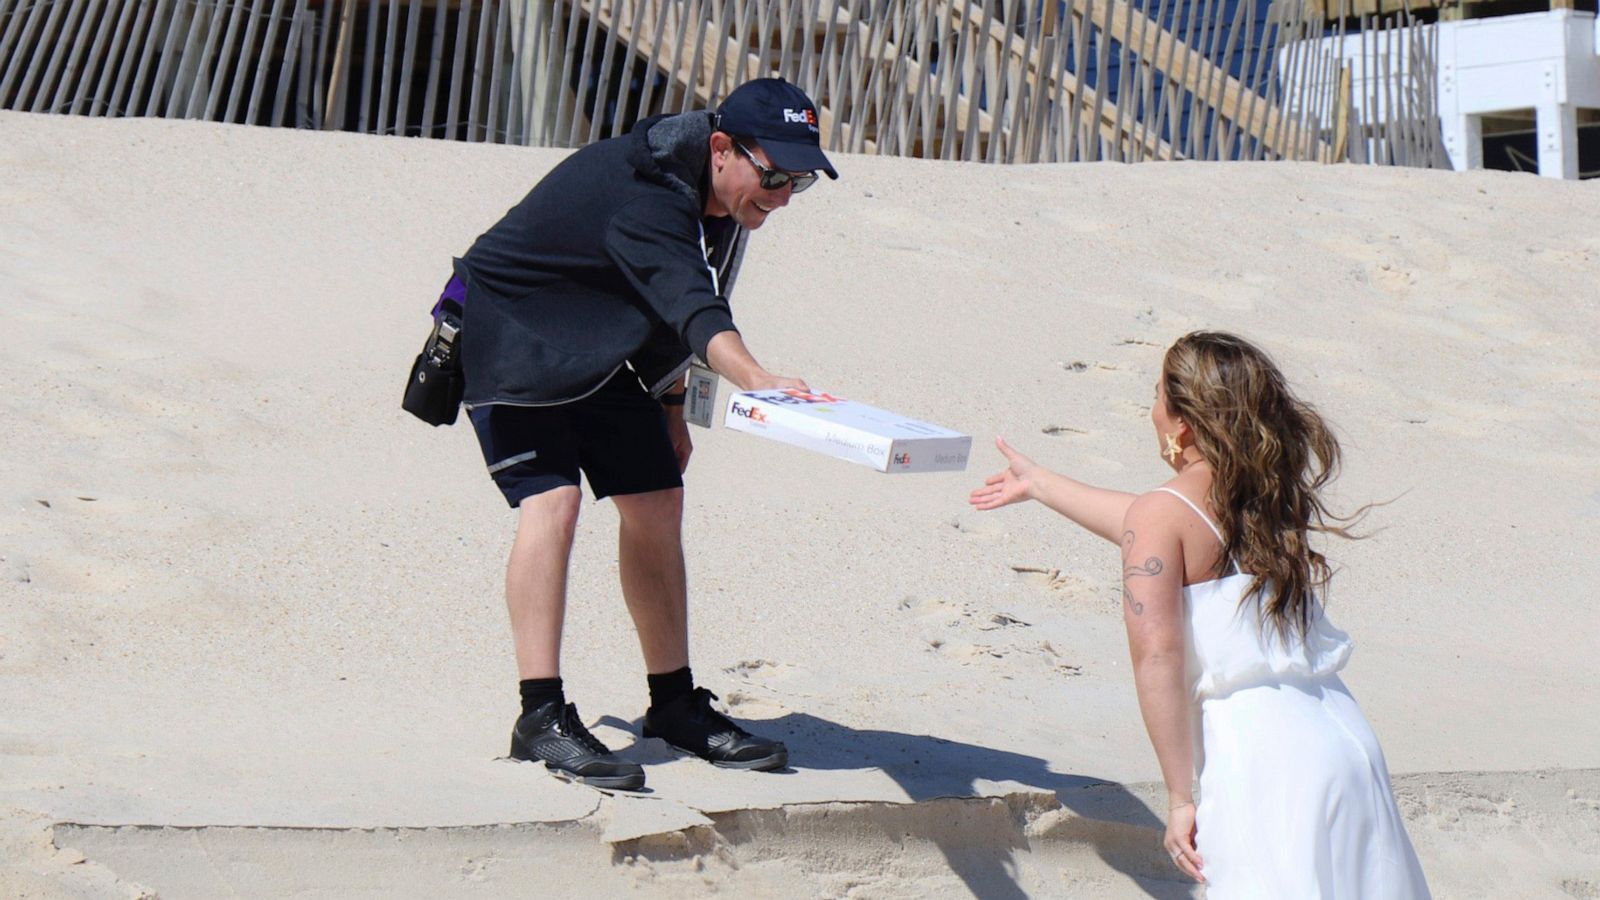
x=1173 y=450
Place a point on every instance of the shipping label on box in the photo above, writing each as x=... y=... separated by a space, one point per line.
x=848 y=430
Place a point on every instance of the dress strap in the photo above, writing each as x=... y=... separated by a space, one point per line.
x=1203 y=517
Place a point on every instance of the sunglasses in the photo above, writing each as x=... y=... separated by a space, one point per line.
x=774 y=179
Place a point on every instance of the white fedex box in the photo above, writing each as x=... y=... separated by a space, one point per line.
x=851 y=431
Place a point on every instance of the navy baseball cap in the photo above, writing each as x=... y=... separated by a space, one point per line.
x=782 y=118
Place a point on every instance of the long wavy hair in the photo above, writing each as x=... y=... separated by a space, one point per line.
x=1270 y=455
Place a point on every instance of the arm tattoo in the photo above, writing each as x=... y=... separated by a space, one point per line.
x=1152 y=566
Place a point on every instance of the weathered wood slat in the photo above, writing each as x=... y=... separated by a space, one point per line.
x=247 y=51
x=119 y=58
x=492 y=129
x=219 y=71
x=408 y=59
x=337 y=79
x=40 y=54
x=436 y=63
x=290 y=53
x=8 y=40
x=166 y=85
x=68 y=98
x=391 y=38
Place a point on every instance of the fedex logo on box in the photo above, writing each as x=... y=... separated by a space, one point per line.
x=752 y=412
x=902 y=459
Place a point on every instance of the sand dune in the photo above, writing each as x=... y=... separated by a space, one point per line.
x=252 y=609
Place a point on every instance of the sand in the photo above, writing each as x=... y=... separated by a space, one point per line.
x=253 y=636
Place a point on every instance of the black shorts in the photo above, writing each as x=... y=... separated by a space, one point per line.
x=617 y=436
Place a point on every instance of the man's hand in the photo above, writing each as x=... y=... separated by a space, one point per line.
x=678 y=432
x=729 y=357
x=776 y=383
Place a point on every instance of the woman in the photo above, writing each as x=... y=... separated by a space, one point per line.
x=1235 y=664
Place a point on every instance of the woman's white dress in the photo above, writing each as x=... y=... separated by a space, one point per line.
x=1295 y=801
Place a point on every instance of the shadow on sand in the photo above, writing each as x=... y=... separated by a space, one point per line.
x=1106 y=817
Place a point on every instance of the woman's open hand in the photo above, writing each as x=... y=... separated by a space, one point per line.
x=1012 y=484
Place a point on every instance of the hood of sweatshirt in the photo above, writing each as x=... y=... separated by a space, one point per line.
x=673 y=150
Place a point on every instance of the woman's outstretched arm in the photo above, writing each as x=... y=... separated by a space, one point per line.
x=1096 y=509
x=1152 y=610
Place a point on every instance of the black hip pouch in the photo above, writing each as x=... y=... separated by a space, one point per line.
x=433 y=392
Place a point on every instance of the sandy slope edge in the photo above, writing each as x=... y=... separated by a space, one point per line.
x=1024 y=843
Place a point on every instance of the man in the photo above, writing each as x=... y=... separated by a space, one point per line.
x=585 y=306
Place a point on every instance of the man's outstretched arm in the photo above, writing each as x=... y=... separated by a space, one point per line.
x=730 y=358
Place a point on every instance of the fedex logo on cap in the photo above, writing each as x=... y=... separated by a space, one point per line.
x=802 y=116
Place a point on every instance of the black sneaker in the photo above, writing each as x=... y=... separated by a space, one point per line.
x=555 y=735
x=690 y=724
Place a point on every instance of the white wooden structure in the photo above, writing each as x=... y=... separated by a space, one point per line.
x=1546 y=61
x=1542 y=66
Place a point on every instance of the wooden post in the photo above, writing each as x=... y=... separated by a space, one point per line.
x=341 y=53
x=246 y=52
x=8 y=39
x=603 y=81
x=402 y=111
x=82 y=80
x=1001 y=88
x=458 y=55
x=223 y=56
x=1082 y=29
x=41 y=54
x=1028 y=85
x=687 y=13
x=121 y=38
x=475 y=130
x=1117 y=130
x=291 y=48
x=435 y=68
x=184 y=20
x=258 y=86
x=493 y=131
x=630 y=58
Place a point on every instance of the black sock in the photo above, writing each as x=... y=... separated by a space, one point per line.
x=536 y=692
x=668 y=687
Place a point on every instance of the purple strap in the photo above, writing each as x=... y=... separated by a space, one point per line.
x=453 y=290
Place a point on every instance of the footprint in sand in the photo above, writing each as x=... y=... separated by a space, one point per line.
x=1393 y=278
x=937 y=611
x=755 y=690
x=1079 y=365
x=968 y=635
x=952 y=614
x=977 y=527
x=1054 y=660
x=1050 y=578
x=968 y=653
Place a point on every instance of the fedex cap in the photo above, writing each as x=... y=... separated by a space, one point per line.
x=782 y=118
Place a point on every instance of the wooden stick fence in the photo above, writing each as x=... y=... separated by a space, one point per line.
x=989 y=80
